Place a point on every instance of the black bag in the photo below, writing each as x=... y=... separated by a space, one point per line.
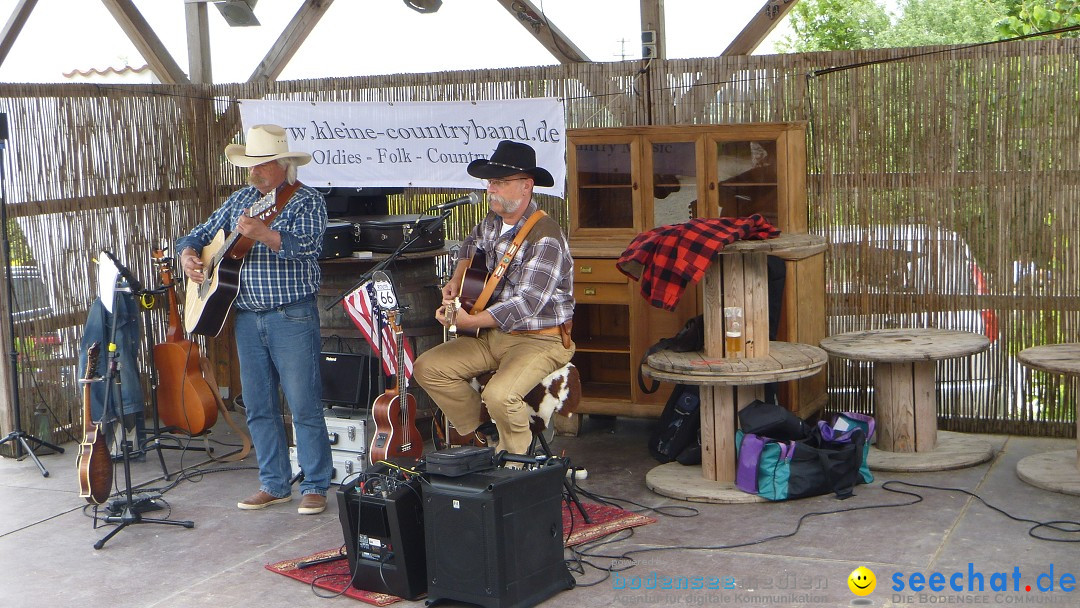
x=772 y=421
x=676 y=434
x=690 y=338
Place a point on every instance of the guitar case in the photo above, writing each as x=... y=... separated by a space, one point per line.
x=337 y=240
x=385 y=233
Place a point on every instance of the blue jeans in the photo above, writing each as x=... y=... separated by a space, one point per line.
x=282 y=345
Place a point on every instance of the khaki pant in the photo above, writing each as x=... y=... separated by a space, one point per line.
x=521 y=361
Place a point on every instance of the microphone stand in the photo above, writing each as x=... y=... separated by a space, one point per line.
x=414 y=232
x=132 y=508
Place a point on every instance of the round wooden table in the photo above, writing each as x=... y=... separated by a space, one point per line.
x=905 y=396
x=1054 y=471
x=727 y=386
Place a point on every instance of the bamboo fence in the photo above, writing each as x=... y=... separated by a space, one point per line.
x=980 y=142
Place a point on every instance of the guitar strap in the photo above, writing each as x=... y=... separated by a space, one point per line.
x=500 y=268
x=281 y=198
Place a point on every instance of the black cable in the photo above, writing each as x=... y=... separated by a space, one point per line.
x=663 y=510
x=626 y=555
x=1073 y=527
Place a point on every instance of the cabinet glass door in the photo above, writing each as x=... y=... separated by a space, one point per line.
x=746 y=176
x=604 y=185
x=674 y=182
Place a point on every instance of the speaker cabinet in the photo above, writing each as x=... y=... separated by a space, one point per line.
x=495 y=537
x=349 y=379
x=382 y=522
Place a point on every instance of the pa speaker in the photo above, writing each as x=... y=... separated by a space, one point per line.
x=382 y=522
x=495 y=537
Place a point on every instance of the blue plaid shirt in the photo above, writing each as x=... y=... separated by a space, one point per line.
x=270 y=279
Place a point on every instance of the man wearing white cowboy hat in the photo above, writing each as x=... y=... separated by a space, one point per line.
x=524 y=329
x=277 y=320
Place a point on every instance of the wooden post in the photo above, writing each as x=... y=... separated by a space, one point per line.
x=906 y=406
x=719 y=405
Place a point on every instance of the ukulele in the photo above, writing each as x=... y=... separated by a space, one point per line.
x=185 y=400
x=207 y=304
x=94 y=462
x=394 y=411
x=472 y=284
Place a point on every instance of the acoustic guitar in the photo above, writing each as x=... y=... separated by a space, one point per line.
x=472 y=284
x=94 y=462
x=185 y=400
x=394 y=411
x=207 y=304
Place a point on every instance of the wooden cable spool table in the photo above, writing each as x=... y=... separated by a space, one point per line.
x=1055 y=471
x=729 y=381
x=905 y=396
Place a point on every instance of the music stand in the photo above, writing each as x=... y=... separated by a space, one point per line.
x=110 y=269
x=18 y=435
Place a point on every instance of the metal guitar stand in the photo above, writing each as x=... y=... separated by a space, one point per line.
x=113 y=406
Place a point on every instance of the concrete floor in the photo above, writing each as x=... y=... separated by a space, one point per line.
x=47 y=555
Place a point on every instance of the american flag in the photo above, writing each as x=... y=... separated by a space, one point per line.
x=361 y=308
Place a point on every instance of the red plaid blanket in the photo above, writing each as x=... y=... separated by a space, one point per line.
x=667 y=259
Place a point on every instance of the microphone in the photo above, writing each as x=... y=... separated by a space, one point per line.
x=469 y=199
x=134 y=283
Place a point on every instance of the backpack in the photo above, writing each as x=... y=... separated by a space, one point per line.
x=675 y=436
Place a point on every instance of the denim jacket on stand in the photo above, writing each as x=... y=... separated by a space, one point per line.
x=128 y=334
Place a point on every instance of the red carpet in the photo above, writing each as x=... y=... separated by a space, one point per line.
x=334 y=576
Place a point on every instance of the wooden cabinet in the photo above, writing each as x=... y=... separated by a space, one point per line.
x=624 y=181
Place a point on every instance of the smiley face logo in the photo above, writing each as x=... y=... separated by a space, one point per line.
x=861 y=581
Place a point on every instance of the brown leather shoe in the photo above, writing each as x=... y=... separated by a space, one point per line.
x=261 y=500
x=312 y=504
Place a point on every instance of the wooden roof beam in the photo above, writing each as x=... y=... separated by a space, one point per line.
x=759 y=27
x=146 y=41
x=294 y=35
x=14 y=26
x=545 y=32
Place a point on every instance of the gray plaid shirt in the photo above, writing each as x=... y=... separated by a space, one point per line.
x=537 y=290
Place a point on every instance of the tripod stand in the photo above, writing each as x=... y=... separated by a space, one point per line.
x=113 y=407
x=18 y=435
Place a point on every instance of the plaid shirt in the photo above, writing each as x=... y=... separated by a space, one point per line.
x=537 y=290
x=668 y=258
x=270 y=279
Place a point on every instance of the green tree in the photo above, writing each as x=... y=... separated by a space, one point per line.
x=1024 y=17
x=928 y=22
x=834 y=25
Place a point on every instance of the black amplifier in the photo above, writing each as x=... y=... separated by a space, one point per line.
x=382 y=522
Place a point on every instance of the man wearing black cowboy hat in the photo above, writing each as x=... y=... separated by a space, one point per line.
x=524 y=327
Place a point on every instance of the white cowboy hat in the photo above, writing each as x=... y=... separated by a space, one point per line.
x=264 y=144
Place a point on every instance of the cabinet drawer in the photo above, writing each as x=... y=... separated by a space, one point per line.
x=597 y=270
x=600 y=293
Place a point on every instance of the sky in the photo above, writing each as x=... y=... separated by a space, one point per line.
x=367 y=37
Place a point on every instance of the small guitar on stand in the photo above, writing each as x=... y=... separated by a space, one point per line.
x=94 y=462
x=394 y=411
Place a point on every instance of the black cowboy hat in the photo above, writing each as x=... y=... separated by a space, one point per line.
x=509 y=158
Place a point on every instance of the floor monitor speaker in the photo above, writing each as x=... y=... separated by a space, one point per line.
x=495 y=537
x=382 y=522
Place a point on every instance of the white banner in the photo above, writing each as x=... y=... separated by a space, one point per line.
x=420 y=144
